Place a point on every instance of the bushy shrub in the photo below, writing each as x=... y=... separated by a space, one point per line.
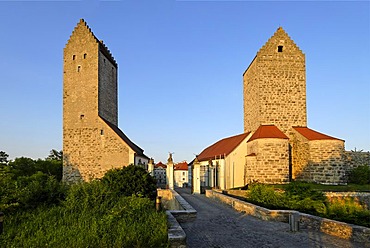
x=360 y=175
x=86 y=195
x=28 y=192
x=265 y=195
x=130 y=180
x=348 y=210
x=301 y=190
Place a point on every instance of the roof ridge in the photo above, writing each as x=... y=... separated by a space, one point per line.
x=103 y=47
x=276 y=33
x=124 y=137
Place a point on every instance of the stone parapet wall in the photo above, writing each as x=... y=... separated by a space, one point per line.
x=361 y=197
x=357 y=158
x=331 y=227
x=270 y=162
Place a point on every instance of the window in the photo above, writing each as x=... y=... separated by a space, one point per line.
x=74 y=57
x=78 y=68
x=183 y=173
x=280 y=49
x=82 y=116
x=101 y=132
x=85 y=55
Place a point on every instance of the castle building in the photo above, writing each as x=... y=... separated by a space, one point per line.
x=92 y=141
x=278 y=145
x=282 y=147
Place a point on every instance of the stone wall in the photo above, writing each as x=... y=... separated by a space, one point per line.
x=362 y=198
x=90 y=146
x=251 y=97
x=91 y=151
x=320 y=161
x=107 y=90
x=275 y=85
x=356 y=158
x=326 y=163
x=269 y=162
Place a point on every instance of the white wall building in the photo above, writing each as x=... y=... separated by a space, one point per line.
x=181 y=174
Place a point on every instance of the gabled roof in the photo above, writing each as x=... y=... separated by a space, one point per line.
x=268 y=131
x=181 y=166
x=160 y=164
x=102 y=47
x=222 y=147
x=280 y=37
x=312 y=134
x=132 y=145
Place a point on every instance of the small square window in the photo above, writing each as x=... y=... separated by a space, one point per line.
x=280 y=49
x=82 y=116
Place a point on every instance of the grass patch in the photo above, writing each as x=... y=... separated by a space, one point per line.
x=302 y=197
x=124 y=222
x=42 y=212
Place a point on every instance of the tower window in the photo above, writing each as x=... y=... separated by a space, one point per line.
x=73 y=57
x=78 y=68
x=85 y=55
x=280 y=49
x=101 y=132
x=82 y=116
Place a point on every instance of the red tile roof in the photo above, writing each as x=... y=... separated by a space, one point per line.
x=181 y=166
x=160 y=164
x=222 y=147
x=268 y=131
x=312 y=134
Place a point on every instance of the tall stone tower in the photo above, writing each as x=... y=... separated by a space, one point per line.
x=92 y=142
x=275 y=85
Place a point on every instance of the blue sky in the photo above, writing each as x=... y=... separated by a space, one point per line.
x=180 y=66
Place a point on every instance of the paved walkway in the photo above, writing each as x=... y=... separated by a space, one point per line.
x=218 y=225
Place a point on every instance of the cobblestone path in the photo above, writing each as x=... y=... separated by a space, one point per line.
x=218 y=225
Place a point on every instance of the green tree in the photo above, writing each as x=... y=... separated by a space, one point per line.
x=55 y=155
x=3 y=157
x=130 y=180
x=360 y=175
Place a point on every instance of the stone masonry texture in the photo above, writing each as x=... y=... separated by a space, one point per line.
x=275 y=85
x=90 y=146
x=274 y=90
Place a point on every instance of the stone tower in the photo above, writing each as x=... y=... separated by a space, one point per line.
x=275 y=85
x=92 y=142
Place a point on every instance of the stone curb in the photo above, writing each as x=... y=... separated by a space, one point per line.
x=176 y=235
